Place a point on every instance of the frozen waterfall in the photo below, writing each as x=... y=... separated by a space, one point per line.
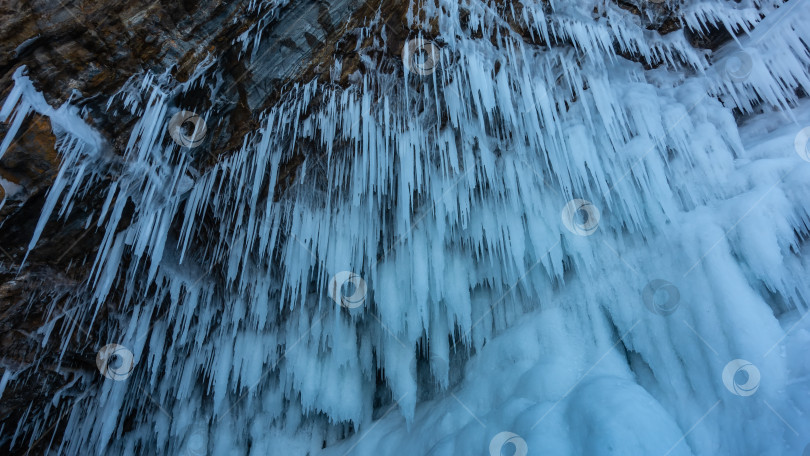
x=552 y=231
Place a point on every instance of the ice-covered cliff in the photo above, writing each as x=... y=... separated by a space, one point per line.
x=536 y=227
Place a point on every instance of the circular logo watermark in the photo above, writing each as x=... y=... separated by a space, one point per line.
x=580 y=217
x=737 y=67
x=433 y=360
x=661 y=297
x=420 y=56
x=187 y=129
x=505 y=439
x=341 y=285
x=115 y=362
x=197 y=442
x=802 y=142
x=741 y=377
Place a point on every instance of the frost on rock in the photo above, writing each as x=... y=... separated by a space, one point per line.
x=479 y=310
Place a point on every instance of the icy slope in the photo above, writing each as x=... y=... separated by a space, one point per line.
x=452 y=198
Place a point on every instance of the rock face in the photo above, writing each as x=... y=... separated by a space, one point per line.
x=86 y=53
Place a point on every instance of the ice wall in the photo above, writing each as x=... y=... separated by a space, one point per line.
x=504 y=219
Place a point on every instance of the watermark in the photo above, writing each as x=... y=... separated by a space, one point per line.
x=197 y=442
x=737 y=67
x=801 y=144
x=115 y=362
x=420 y=56
x=433 y=361
x=340 y=287
x=580 y=217
x=187 y=129
x=661 y=297
x=506 y=439
x=741 y=377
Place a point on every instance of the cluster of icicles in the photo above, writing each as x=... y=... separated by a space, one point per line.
x=441 y=196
